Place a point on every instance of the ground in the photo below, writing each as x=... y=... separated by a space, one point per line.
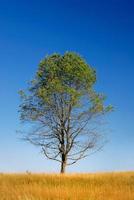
x=99 y=186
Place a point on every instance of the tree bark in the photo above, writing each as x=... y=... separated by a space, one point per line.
x=63 y=164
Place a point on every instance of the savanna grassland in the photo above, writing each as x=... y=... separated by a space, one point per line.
x=99 y=186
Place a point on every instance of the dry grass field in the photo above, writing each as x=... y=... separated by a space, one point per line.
x=103 y=186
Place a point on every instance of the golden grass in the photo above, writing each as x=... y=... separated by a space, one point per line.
x=103 y=186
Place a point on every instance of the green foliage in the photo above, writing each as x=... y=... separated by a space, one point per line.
x=64 y=74
x=63 y=77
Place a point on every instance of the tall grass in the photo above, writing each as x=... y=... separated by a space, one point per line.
x=103 y=186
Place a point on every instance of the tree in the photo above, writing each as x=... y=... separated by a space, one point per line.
x=62 y=105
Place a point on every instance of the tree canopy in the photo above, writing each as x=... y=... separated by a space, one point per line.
x=62 y=103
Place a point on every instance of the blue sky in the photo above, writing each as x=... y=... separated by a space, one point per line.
x=103 y=33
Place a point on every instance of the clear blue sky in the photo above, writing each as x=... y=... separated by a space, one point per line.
x=103 y=33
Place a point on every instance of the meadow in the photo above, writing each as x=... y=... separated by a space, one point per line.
x=99 y=186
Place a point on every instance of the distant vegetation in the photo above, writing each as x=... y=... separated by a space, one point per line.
x=106 y=186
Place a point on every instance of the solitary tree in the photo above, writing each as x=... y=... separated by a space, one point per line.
x=62 y=105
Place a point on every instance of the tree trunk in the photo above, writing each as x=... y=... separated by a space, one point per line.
x=63 y=164
x=63 y=167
